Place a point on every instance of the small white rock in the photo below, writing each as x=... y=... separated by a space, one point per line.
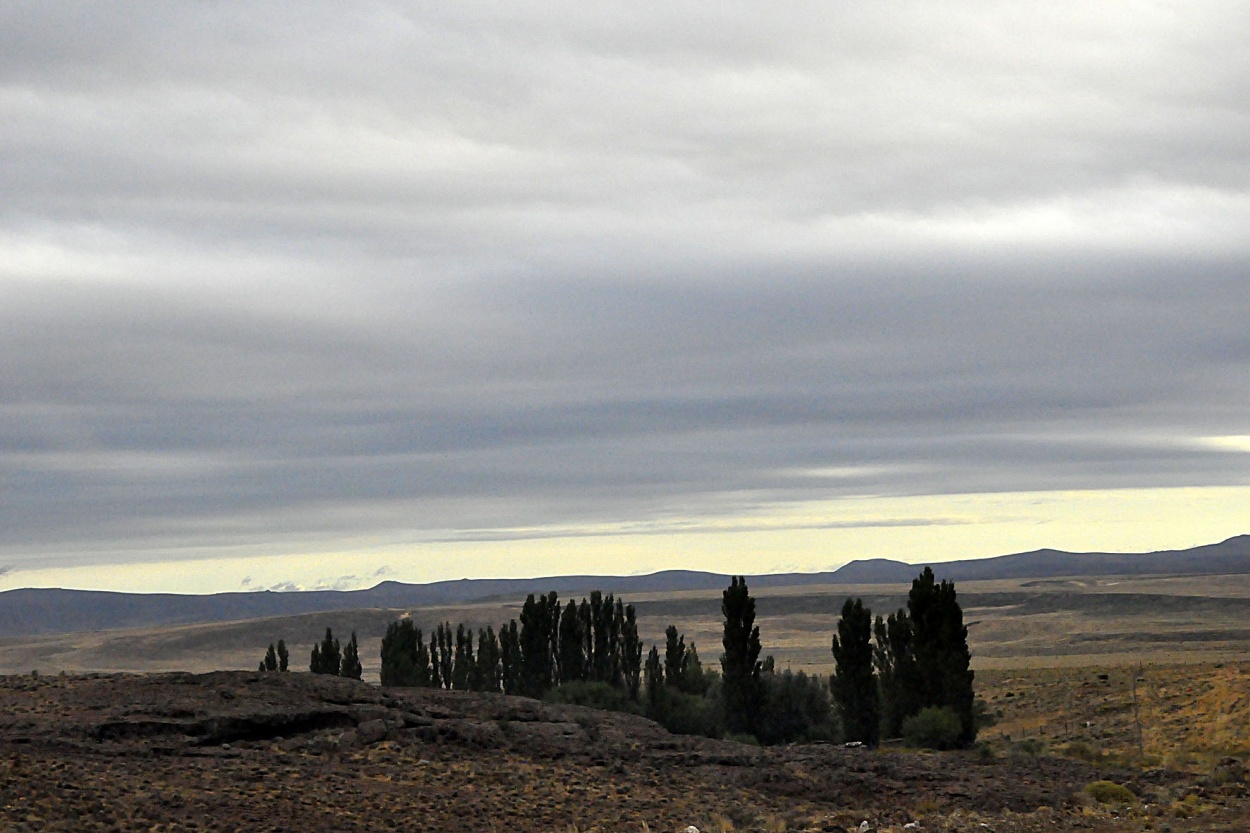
x=691 y=829
x=863 y=826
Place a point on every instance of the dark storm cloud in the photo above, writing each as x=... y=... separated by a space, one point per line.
x=302 y=272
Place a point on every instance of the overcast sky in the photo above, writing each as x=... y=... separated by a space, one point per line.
x=306 y=294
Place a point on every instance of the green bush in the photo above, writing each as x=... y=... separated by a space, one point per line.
x=1109 y=792
x=933 y=728
x=689 y=714
x=596 y=695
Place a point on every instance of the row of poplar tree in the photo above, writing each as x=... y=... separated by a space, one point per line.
x=590 y=653
x=328 y=657
x=891 y=675
x=594 y=641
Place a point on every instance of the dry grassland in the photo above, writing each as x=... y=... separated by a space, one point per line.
x=1039 y=648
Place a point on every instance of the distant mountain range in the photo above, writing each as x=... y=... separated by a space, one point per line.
x=32 y=611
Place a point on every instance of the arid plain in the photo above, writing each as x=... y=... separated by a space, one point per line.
x=1141 y=681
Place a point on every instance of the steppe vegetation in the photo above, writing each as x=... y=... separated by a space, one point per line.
x=1143 y=684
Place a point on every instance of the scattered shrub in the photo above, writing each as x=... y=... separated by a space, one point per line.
x=1030 y=746
x=1109 y=792
x=1081 y=751
x=773 y=823
x=933 y=728
x=982 y=715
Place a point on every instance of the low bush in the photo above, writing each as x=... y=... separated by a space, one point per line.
x=1081 y=751
x=1109 y=792
x=933 y=728
x=688 y=714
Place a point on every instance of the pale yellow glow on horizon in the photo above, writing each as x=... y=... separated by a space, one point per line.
x=800 y=538
x=1230 y=443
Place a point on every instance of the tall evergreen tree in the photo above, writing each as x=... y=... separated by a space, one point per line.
x=510 y=662
x=552 y=609
x=601 y=625
x=270 y=662
x=631 y=653
x=898 y=677
x=616 y=623
x=436 y=665
x=653 y=679
x=536 y=664
x=284 y=656
x=349 y=665
x=572 y=645
x=853 y=683
x=693 y=680
x=446 y=654
x=327 y=656
x=674 y=657
x=586 y=623
x=740 y=665
x=941 y=650
x=487 y=677
x=462 y=663
x=405 y=659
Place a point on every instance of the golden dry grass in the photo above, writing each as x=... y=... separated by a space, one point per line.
x=1189 y=715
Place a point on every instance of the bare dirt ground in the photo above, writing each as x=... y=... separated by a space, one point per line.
x=249 y=751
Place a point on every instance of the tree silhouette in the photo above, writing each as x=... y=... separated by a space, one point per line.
x=940 y=646
x=326 y=657
x=674 y=657
x=631 y=653
x=740 y=666
x=405 y=659
x=572 y=652
x=510 y=662
x=462 y=667
x=487 y=676
x=853 y=683
x=349 y=665
x=270 y=662
x=536 y=674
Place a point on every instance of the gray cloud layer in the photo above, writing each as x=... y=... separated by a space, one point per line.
x=313 y=271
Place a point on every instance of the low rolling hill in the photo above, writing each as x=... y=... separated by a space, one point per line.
x=30 y=611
